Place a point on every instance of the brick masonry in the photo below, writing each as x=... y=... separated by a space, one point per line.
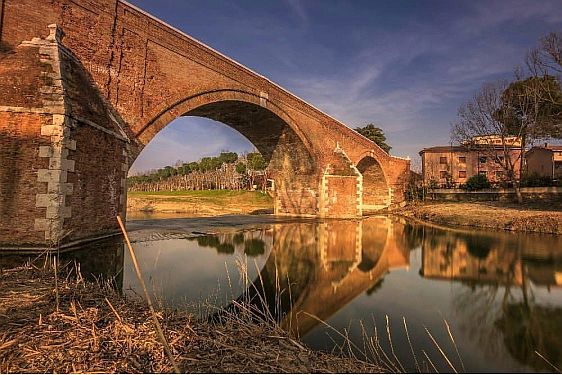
x=84 y=97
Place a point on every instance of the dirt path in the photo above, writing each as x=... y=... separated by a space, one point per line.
x=531 y=217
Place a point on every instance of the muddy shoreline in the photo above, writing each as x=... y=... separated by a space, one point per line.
x=531 y=217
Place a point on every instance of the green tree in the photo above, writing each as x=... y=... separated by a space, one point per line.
x=228 y=157
x=375 y=134
x=194 y=166
x=210 y=163
x=241 y=168
x=256 y=161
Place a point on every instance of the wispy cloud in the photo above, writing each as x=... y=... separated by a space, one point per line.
x=298 y=10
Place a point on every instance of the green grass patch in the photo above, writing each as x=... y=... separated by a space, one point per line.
x=215 y=195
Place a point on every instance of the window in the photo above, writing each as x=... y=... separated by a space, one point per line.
x=462 y=174
x=499 y=173
x=483 y=159
x=443 y=160
x=443 y=174
x=462 y=159
x=483 y=173
x=499 y=159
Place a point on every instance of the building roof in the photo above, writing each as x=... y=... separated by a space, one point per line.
x=444 y=149
x=547 y=148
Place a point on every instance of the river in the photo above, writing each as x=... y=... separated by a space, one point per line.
x=499 y=294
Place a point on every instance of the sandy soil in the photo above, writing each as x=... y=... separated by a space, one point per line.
x=529 y=217
x=195 y=205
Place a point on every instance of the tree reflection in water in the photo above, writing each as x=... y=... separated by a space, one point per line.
x=498 y=305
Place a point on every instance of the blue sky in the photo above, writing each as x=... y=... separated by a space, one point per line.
x=404 y=65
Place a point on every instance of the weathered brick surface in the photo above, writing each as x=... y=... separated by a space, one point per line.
x=20 y=140
x=126 y=76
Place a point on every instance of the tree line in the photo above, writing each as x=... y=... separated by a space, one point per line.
x=227 y=171
x=528 y=107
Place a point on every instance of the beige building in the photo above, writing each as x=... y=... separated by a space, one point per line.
x=545 y=161
x=450 y=166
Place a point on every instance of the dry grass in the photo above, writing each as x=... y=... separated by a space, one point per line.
x=199 y=202
x=530 y=217
x=96 y=329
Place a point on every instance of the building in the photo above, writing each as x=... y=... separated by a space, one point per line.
x=545 y=161
x=450 y=166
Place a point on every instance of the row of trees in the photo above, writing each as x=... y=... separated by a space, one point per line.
x=529 y=108
x=226 y=171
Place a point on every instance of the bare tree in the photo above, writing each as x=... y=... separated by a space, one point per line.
x=544 y=64
x=480 y=124
x=546 y=58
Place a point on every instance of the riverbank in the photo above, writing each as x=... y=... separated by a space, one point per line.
x=199 y=202
x=96 y=329
x=529 y=217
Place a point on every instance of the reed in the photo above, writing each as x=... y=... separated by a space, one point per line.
x=98 y=329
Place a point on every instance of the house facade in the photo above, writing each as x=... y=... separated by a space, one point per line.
x=450 y=166
x=545 y=161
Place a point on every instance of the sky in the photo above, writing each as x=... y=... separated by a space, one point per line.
x=404 y=65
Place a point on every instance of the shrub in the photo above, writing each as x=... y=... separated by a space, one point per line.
x=477 y=182
x=535 y=180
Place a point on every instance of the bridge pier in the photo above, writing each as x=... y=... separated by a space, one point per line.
x=80 y=101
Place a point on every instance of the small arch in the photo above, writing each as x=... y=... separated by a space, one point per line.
x=376 y=192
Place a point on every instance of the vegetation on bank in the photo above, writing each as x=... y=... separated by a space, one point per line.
x=68 y=325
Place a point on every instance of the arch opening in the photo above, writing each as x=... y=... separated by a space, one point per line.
x=290 y=165
x=376 y=193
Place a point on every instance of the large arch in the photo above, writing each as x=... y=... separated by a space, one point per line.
x=376 y=192
x=272 y=131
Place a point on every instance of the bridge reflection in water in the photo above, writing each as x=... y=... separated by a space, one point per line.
x=314 y=269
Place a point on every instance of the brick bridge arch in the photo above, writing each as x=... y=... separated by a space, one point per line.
x=87 y=83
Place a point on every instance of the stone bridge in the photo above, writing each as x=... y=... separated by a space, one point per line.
x=86 y=84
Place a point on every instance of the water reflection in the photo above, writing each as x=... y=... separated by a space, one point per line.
x=502 y=281
x=500 y=292
x=315 y=269
x=507 y=277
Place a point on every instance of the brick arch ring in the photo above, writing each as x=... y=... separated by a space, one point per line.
x=183 y=106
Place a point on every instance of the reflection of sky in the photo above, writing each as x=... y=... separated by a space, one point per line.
x=404 y=65
x=181 y=271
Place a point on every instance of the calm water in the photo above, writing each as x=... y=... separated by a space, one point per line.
x=500 y=293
